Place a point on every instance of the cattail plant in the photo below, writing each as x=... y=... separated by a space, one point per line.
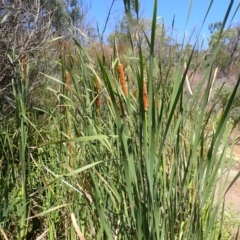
x=24 y=67
x=68 y=80
x=145 y=96
x=122 y=79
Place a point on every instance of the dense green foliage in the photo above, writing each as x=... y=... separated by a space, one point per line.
x=81 y=158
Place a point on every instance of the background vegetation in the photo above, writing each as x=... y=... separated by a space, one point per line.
x=115 y=139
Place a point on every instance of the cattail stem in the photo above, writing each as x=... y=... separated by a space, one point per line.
x=122 y=79
x=70 y=144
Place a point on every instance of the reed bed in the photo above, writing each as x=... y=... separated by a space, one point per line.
x=144 y=167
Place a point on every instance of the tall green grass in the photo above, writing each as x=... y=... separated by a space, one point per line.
x=118 y=172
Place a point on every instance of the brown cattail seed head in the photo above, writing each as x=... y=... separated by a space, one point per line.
x=24 y=67
x=122 y=79
x=145 y=96
x=68 y=81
